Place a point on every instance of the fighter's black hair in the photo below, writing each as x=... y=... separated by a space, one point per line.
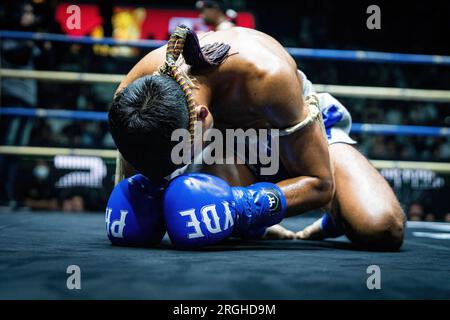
x=144 y=114
x=142 y=118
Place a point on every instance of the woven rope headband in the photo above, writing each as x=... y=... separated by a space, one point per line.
x=174 y=49
x=184 y=41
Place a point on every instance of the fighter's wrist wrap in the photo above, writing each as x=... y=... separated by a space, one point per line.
x=258 y=206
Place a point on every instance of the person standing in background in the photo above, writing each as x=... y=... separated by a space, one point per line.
x=216 y=14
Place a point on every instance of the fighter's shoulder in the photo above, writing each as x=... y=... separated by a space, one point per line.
x=147 y=65
x=278 y=97
x=252 y=46
x=270 y=74
x=271 y=77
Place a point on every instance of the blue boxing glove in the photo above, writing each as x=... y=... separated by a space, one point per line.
x=201 y=209
x=258 y=206
x=134 y=214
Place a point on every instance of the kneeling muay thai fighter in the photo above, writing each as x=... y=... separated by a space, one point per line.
x=239 y=78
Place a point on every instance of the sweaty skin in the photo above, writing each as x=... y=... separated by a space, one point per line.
x=258 y=87
x=260 y=83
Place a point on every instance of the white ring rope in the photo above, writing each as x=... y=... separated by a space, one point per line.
x=386 y=93
x=438 y=167
x=51 y=152
x=62 y=76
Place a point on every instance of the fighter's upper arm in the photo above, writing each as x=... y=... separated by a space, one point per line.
x=278 y=96
x=303 y=153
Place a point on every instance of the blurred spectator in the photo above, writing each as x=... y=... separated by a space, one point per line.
x=73 y=132
x=17 y=92
x=416 y=212
x=378 y=148
x=393 y=116
x=81 y=199
x=39 y=193
x=216 y=14
x=307 y=29
x=73 y=203
x=443 y=149
x=41 y=133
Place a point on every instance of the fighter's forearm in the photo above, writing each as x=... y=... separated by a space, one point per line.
x=306 y=193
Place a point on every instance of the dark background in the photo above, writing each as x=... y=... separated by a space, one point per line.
x=421 y=27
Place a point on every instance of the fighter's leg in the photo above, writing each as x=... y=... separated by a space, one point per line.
x=364 y=206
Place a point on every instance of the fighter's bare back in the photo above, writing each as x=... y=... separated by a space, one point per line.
x=245 y=84
x=258 y=86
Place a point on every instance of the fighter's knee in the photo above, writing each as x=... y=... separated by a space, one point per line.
x=397 y=228
x=389 y=231
x=384 y=230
